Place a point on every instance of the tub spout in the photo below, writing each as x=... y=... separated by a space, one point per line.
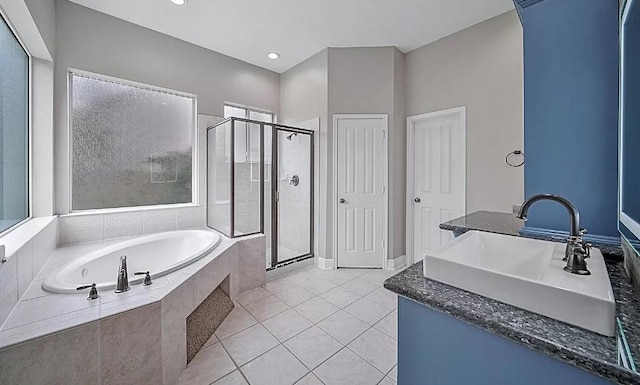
x=123 y=278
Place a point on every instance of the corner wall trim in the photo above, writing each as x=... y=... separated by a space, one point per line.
x=326 y=264
x=398 y=263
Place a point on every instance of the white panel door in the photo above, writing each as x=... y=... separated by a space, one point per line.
x=360 y=192
x=438 y=179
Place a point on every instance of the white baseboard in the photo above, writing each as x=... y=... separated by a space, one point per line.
x=398 y=263
x=326 y=264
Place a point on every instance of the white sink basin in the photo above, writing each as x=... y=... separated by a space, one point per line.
x=529 y=274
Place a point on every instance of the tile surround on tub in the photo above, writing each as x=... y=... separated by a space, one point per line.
x=28 y=318
x=25 y=267
x=23 y=274
x=28 y=248
x=68 y=357
x=8 y=287
x=41 y=313
x=81 y=228
x=134 y=334
x=251 y=255
x=151 y=325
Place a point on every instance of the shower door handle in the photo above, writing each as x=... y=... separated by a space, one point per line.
x=342 y=200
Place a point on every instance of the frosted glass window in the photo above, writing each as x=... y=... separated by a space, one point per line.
x=14 y=129
x=132 y=145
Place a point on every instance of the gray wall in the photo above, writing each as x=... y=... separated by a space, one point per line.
x=303 y=90
x=43 y=13
x=398 y=159
x=350 y=81
x=371 y=81
x=304 y=96
x=480 y=68
x=95 y=42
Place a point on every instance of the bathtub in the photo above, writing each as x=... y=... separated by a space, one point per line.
x=160 y=254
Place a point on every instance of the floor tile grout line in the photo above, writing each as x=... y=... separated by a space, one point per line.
x=344 y=346
x=391 y=370
x=369 y=362
x=275 y=347
x=234 y=363
x=279 y=344
x=280 y=312
x=315 y=295
x=368 y=322
x=260 y=322
x=239 y=331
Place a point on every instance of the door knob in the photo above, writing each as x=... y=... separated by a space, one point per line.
x=342 y=200
x=417 y=200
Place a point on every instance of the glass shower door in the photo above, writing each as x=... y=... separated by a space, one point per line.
x=260 y=180
x=292 y=185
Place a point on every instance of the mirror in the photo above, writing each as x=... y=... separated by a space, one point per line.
x=629 y=153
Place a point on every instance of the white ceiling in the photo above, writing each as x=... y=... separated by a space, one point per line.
x=297 y=29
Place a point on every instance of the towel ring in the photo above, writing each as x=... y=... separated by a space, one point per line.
x=508 y=157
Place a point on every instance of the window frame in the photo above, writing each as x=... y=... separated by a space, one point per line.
x=249 y=109
x=29 y=149
x=195 y=178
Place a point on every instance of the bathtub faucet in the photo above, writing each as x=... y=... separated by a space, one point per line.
x=123 y=278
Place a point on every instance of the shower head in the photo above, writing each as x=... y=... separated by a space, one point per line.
x=292 y=135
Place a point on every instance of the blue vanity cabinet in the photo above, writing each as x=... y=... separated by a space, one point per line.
x=435 y=348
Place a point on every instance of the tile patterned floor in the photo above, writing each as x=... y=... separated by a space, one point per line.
x=309 y=327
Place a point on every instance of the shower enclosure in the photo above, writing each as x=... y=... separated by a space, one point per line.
x=260 y=180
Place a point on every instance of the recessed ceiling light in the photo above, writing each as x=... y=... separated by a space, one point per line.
x=273 y=55
x=179 y=2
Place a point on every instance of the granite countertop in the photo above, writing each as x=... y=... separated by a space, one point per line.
x=587 y=350
x=509 y=224
x=489 y=221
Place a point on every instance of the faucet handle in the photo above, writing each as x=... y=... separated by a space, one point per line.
x=147 y=277
x=93 y=293
x=587 y=248
x=582 y=232
x=576 y=263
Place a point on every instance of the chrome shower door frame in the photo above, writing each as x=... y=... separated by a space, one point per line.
x=275 y=129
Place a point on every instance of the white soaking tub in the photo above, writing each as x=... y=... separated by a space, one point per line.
x=160 y=254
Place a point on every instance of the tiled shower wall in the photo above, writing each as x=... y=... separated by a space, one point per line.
x=22 y=266
x=294 y=221
x=247 y=192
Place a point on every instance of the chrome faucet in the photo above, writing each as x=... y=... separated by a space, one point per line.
x=93 y=293
x=577 y=250
x=123 y=278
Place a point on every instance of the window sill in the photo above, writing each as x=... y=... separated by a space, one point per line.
x=129 y=209
x=22 y=233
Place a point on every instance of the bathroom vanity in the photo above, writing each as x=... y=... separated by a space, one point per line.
x=447 y=335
